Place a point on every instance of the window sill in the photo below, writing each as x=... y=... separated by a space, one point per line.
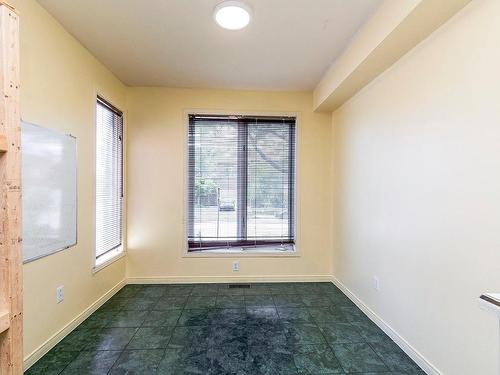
x=224 y=252
x=108 y=259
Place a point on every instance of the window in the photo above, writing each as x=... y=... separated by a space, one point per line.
x=241 y=182
x=109 y=181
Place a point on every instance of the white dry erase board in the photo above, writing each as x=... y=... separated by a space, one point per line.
x=49 y=191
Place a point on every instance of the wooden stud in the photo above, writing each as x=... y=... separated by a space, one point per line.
x=3 y=143
x=4 y=321
x=11 y=296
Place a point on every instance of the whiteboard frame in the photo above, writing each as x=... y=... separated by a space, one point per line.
x=76 y=193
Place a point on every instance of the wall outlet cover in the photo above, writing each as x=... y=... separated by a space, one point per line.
x=236 y=266
x=60 y=294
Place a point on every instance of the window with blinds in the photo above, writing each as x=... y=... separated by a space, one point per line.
x=109 y=179
x=241 y=182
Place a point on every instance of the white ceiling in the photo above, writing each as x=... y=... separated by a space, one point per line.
x=288 y=45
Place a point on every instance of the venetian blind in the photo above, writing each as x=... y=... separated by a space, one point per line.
x=109 y=178
x=241 y=181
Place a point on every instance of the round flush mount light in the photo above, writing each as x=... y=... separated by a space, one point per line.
x=232 y=15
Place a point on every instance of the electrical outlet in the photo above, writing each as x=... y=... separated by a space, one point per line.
x=60 y=294
x=236 y=266
x=376 y=283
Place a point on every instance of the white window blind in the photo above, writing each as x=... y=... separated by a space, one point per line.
x=241 y=181
x=109 y=178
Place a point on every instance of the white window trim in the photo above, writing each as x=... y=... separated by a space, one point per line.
x=263 y=252
x=108 y=259
x=121 y=251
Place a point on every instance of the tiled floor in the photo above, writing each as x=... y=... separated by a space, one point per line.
x=285 y=328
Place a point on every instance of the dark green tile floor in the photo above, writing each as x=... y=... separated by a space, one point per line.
x=278 y=328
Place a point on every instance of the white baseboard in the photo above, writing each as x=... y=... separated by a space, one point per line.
x=43 y=349
x=227 y=279
x=413 y=353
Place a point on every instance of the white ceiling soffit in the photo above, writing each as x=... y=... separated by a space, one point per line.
x=396 y=28
x=288 y=45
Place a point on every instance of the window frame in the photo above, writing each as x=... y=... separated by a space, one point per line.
x=119 y=251
x=241 y=251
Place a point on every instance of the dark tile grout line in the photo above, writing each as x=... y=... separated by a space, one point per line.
x=135 y=333
x=324 y=338
x=80 y=351
x=378 y=355
x=167 y=345
x=330 y=347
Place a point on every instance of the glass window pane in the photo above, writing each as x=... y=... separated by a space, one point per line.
x=108 y=187
x=215 y=186
x=241 y=181
x=268 y=181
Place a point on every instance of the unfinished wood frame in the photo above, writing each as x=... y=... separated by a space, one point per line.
x=11 y=297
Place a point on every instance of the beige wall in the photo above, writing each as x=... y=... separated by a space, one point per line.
x=417 y=159
x=59 y=79
x=156 y=190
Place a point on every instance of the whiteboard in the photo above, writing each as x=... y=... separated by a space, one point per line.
x=49 y=177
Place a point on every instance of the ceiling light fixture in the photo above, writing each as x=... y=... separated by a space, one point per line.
x=232 y=15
